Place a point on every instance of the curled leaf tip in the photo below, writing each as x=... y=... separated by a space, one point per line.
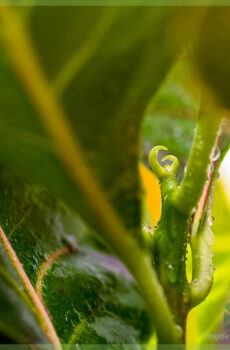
x=172 y=168
x=163 y=170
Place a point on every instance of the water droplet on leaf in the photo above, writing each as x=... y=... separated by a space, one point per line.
x=178 y=330
x=216 y=154
x=172 y=274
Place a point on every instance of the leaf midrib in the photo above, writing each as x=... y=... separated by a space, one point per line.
x=41 y=313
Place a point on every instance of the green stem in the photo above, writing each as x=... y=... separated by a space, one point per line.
x=223 y=145
x=169 y=248
x=141 y=267
x=187 y=196
x=167 y=174
x=203 y=268
x=202 y=236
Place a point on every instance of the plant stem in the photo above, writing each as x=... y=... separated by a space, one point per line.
x=188 y=194
x=202 y=236
x=140 y=266
x=169 y=242
x=202 y=266
x=172 y=234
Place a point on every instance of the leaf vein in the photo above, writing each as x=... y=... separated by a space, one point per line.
x=46 y=266
x=82 y=56
x=41 y=313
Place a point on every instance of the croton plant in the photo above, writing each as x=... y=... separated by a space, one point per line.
x=113 y=126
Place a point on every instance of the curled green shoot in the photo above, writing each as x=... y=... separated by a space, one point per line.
x=167 y=174
x=161 y=171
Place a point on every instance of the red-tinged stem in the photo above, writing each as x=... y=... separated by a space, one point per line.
x=41 y=312
x=45 y=267
x=203 y=202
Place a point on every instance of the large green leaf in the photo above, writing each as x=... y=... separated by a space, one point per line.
x=74 y=85
x=102 y=67
x=89 y=294
x=17 y=320
x=212 y=52
x=175 y=134
x=180 y=94
x=169 y=118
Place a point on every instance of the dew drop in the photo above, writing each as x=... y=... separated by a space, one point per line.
x=221 y=129
x=216 y=154
x=211 y=220
x=178 y=330
x=172 y=274
x=210 y=170
x=185 y=297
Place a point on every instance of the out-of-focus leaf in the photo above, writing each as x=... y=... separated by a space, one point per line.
x=169 y=120
x=209 y=315
x=180 y=94
x=102 y=65
x=175 y=134
x=212 y=52
x=90 y=296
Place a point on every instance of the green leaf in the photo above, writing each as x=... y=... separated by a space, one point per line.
x=108 y=89
x=18 y=321
x=212 y=52
x=169 y=120
x=180 y=94
x=89 y=294
x=80 y=80
x=175 y=134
